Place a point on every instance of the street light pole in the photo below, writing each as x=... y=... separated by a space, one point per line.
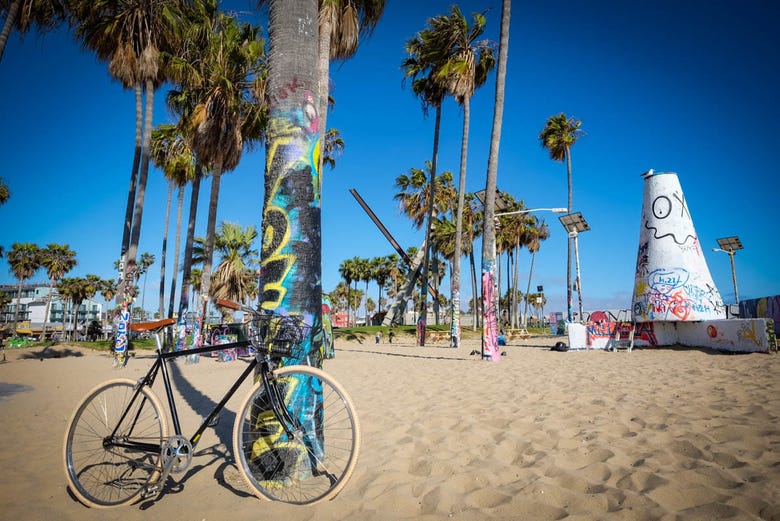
x=730 y=245
x=574 y=223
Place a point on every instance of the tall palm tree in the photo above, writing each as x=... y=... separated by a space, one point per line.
x=171 y=153
x=459 y=62
x=341 y=24
x=224 y=73
x=24 y=260
x=431 y=94
x=57 y=260
x=559 y=134
x=23 y=14
x=490 y=297
x=131 y=35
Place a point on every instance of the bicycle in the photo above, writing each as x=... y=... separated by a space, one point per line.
x=296 y=437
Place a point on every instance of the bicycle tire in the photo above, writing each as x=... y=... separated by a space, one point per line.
x=316 y=463
x=103 y=477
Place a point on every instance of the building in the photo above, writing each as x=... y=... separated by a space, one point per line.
x=32 y=311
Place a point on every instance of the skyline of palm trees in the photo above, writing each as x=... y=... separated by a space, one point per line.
x=459 y=88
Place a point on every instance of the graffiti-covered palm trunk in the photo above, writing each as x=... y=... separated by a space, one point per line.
x=456 y=257
x=489 y=288
x=290 y=277
x=291 y=253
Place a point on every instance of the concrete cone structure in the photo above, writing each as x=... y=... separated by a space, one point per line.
x=672 y=281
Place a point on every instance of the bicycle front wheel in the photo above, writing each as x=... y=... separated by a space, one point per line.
x=305 y=451
x=110 y=443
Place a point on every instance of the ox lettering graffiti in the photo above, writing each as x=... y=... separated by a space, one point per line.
x=675 y=206
x=490 y=326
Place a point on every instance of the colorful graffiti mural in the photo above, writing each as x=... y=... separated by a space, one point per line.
x=672 y=281
x=764 y=307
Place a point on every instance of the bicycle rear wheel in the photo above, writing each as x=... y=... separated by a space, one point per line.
x=100 y=473
x=315 y=459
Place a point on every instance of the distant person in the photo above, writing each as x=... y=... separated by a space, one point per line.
x=378 y=337
x=390 y=336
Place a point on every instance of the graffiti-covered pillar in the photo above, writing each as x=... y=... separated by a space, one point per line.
x=672 y=281
x=290 y=276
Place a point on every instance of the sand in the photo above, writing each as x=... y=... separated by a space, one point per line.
x=652 y=434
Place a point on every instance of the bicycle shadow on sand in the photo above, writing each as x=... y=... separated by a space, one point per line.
x=221 y=452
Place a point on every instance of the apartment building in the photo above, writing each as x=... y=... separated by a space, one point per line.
x=32 y=311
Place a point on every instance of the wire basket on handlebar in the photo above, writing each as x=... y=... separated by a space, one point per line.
x=279 y=335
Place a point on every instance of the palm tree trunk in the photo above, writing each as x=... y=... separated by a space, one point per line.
x=429 y=219
x=10 y=20
x=455 y=279
x=48 y=308
x=291 y=225
x=489 y=331
x=176 y=251
x=474 y=306
x=187 y=267
x=568 y=241
x=139 y=118
x=211 y=228
x=515 y=279
x=143 y=175
x=161 y=308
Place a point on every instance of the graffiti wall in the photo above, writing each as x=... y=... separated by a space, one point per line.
x=764 y=307
x=736 y=335
x=672 y=281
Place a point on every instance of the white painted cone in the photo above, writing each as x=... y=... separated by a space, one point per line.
x=672 y=282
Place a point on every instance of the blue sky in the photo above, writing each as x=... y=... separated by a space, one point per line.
x=689 y=87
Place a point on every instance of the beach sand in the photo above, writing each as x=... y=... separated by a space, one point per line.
x=652 y=434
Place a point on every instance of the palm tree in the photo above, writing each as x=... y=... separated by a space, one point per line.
x=224 y=75
x=57 y=260
x=557 y=137
x=233 y=278
x=539 y=233
x=431 y=94
x=489 y=298
x=341 y=23
x=24 y=260
x=171 y=153
x=23 y=14
x=131 y=36
x=460 y=63
x=347 y=270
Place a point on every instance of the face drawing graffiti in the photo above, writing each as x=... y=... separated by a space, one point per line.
x=670 y=218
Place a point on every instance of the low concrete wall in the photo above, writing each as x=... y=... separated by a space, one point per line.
x=737 y=335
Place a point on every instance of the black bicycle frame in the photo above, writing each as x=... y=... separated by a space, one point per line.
x=148 y=380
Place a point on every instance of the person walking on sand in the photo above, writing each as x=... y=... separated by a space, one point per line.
x=378 y=336
x=390 y=336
